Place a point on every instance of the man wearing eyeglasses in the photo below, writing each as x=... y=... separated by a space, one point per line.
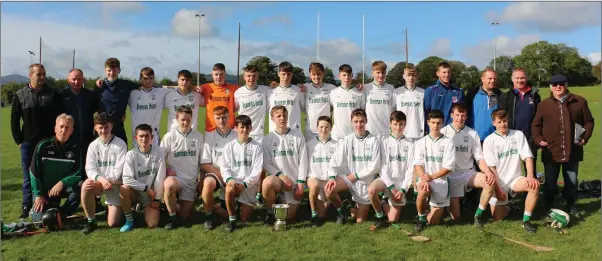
x=562 y=126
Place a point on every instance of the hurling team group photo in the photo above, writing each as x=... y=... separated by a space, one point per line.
x=347 y=154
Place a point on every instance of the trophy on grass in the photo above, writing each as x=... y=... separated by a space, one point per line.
x=280 y=212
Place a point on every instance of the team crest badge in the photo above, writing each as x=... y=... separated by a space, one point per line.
x=530 y=100
x=153 y=97
x=139 y=165
x=275 y=144
x=454 y=99
x=190 y=98
x=513 y=141
x=441 y=148
x=69 y=154
x=227 y=91
x=192 y=143
x=405 y=148
x=465 y=138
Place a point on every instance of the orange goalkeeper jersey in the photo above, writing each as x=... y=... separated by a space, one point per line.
x=218 y=96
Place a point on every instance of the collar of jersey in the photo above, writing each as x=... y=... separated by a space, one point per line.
x=501 y=135
x=413 y=89
x=435 y=140
x=146 y=153
x=362 y=137
x=400 y=138
x=287 y=131
x=220 y=134
x=245 y=143
x=178 y=90
x=107 y=144
x=144 y=90
x=250 y=88
x=457 y=131
x=327 y=140
x=378 y=86
x=285 y=87
x=185 y=135
x=312 y=84
x=347 y=89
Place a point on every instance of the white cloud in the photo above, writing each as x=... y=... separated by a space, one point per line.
x=594 y=57
x=110 y=11
x=551 y=16
x=185 y=23
x=166 y=54
x=442 y=48
x=482 y=53
x=275 y=19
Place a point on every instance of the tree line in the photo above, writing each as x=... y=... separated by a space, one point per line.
x=540 y=60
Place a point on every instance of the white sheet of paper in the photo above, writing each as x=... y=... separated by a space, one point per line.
x=579 y=130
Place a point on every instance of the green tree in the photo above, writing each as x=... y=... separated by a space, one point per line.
x=503 y=68
x=359 y=76
x=470 y=77
x=577 y=69
x=457 y=68
x=267 y=69
x=395 y=75
x=541 y=60
x=427 y=71
x=329 y=76
x=202 y=78
x=9 y=97
x=596 y=72
x=298 y=76
x=167 y=82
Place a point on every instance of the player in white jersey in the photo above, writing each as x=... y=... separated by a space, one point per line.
x=396 y=173
x=317 y=100
x=504 y=152
x=467 y=145
x=183 y=95
x=356 y=161
x=104 y=166
x=184 y=149
x=241 y=166
x=320 y=150
x=344 y=99
x=409 y=99
x=213 y=150
x=251 y=100
x=434 y=160
x=146 y=105
x=286 y=165
x=287 y=95
x=380 y=102
x=143 y=176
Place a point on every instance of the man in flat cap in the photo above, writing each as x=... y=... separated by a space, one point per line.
x=562 y=125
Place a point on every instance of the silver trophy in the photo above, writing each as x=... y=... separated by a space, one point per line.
x=280 y=212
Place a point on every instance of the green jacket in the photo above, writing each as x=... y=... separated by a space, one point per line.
x=53 y=162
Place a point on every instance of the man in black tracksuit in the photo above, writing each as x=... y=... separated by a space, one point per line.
x=38 y=105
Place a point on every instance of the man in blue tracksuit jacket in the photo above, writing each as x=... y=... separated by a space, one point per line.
x=480 y=102
x=442 y=95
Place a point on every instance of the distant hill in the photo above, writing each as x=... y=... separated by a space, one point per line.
x=13 y=78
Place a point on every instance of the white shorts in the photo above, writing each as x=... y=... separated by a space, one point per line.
x=439 y=188
x=506 y=188
x=359 y=191
x=220 y=185
x=142 y=198
x=459 y=183
x=247 y=196
x=187 y=189
x=389 y=195
x=321 y=184
x=289 y=196
x=112 y=196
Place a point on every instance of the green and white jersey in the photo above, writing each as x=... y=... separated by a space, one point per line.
x=142 y=170
x=184 y=152
x=175 y=99
x=146 y=106
x=290 y=97
x=505 y=153
x=379 y=105
x=213 y=148
x=467 y=144
x=253 y=103
x=317 y=104
x=410 y=102
x=435 y=154
x=320 y=153
x=106 y=159
x=286 y=154
x=358 y=155
x=242 y=162
x=343 y=102
x=397 y=167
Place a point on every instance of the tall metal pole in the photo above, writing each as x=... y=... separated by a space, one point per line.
x=73 y=65
x=40 y=50
x=238 y=64
x=494 y=43
x=407 y=47
x=318 y=39
x=363 y=54
x=198 y=78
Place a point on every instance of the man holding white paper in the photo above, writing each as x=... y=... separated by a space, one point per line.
x=562 y=125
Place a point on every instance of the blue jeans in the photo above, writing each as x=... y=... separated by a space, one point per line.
x=69 y=207
x=569 y=174
x=27 y=149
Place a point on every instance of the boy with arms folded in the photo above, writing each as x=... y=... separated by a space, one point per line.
x=344 y=99
x=317 y=99
x=380 y=101
x=287 y=95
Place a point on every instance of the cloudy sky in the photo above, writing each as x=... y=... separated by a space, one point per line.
x=164 y=35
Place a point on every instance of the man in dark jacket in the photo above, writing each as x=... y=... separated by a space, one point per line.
x=554 y=130
x=480 y=102
x=521 y=104
x=38 y=105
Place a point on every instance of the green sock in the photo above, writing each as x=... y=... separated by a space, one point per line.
x=258 y=196
x=314 y=213
x=422 y=217
x=480 y=211
x=340 y=210
x=172 y=216
x=526 y=216
x=209 y=214
x=379 y=214
x=232 y=218
x=270 y=211
x=92 y=220
x=129 y=216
